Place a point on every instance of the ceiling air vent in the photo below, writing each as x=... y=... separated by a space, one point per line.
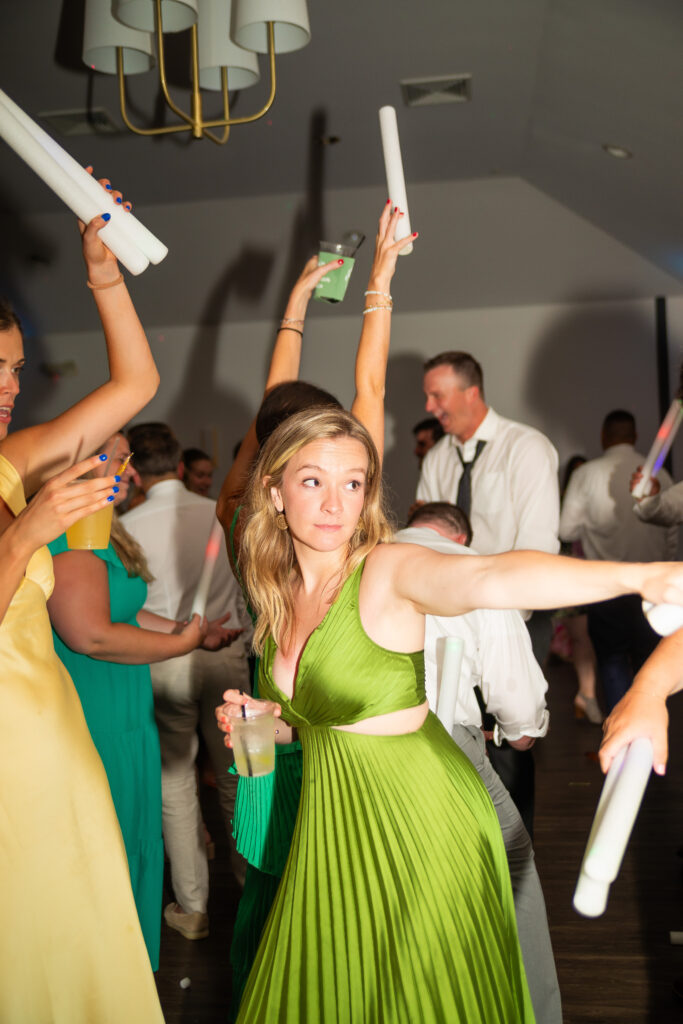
x=80 y=122
x=424 y=92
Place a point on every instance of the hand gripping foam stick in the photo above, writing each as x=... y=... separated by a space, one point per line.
x=660 y=448
x=616 y=812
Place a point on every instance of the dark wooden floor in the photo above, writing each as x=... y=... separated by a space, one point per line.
x=618 y=969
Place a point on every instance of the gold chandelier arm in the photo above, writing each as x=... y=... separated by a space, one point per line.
x=226 y=113
x=162 y=67
x=264 y=110
x=124 y=114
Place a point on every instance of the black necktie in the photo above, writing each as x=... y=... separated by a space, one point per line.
x=464 y=499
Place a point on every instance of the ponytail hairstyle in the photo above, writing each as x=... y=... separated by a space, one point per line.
x=267 y=558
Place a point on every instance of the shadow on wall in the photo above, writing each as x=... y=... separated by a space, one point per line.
x=404 y=407
x=588 y=362
x=203 y=401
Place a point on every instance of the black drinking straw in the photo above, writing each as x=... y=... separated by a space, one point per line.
x=245 y=749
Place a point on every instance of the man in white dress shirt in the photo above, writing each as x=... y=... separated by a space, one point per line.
x=598 y=511
x=504 y=477
x=173 y=526
x=497 y=657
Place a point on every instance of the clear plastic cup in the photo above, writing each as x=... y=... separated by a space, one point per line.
x=253 y=738
x=332 y=287
x=91 y=532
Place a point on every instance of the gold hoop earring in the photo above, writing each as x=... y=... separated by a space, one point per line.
x=280 y=521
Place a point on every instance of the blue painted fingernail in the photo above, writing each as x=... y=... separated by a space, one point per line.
x=103 y=457
x=108 y=188
x=128 y=206
x=119 y=199
x=118 y=479
x=110 y=498
x=115 y=490
x=106 y=216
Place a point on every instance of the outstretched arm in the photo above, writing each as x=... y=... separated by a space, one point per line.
x=41 y=451
x=642 y=711
x=373 y=347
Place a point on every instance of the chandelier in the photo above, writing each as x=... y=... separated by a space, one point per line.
x=126 y=37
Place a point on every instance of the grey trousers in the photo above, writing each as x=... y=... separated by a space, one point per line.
x=532 y=921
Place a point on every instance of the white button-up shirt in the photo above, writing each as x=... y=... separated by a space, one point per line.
x=497 y=657
x=598 y=510
x=515 y=498
x=173 y=526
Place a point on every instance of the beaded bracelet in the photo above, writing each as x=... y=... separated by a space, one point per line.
x=373 y=309
x=295 y=329
x=384 y=295
x=101 y=287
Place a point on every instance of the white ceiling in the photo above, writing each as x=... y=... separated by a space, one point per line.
x=552 y=80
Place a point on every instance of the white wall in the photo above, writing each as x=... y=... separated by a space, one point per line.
x=557 y=367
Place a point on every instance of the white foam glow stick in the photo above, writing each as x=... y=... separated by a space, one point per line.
x=69 y=187
x=213 y=547
x=393 y=164
x=665 y=619
x=660 y=448
x=616 y=813
x=153 y=249
x=450 y=678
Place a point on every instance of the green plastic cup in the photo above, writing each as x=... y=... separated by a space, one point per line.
x=332 y=288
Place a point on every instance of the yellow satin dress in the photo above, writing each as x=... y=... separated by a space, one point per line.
x=71 y=948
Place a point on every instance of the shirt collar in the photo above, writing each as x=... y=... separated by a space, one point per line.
x=486 y=431
x=163 y=488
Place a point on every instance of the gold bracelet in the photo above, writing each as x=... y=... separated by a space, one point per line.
x=101 y=287
x=372 y=309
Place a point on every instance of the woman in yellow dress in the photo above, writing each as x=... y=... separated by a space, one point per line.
x=71 y=949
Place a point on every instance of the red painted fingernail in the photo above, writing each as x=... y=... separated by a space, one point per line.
x=396 y=209
x=340 y=262
x=388 y=201
x=401 y=214
x=414 y=234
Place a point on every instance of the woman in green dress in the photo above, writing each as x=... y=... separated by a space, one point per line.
x=106 y=641
x=395 y=904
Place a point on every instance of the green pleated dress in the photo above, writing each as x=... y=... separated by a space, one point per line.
x=118 y=705
x=395 y=904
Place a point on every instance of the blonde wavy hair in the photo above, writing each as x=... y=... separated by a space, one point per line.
x=129 y=551
x=267 y=560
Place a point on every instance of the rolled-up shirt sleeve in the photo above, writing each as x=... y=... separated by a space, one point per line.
x=513 y=684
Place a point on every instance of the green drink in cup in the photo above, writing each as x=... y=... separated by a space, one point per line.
x=332 y=288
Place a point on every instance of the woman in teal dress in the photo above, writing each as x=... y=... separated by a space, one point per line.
x=395 y=904
x=96 y=613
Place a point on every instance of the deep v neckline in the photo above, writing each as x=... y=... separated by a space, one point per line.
x=296 y=683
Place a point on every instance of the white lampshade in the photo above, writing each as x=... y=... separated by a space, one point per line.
x=292 y=28
x=217 y=50
x=102 y=33
x=176 y=15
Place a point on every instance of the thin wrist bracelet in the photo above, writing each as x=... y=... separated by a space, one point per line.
x=373 y=309
x=295 y=329
x=385 y=295
x=101 y=287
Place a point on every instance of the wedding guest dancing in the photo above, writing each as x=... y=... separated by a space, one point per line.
x=361 y=929
x=71 y=948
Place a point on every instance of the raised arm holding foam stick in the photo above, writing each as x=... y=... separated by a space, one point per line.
x=130 y=241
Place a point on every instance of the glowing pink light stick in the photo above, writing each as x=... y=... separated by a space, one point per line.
x=615 y=815
x=660 y=448
x=213 y=547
